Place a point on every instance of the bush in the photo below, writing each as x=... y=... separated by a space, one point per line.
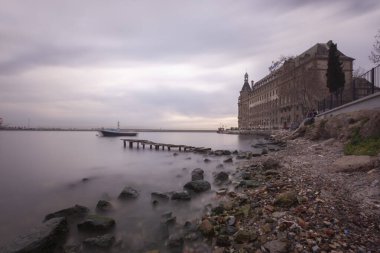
x=362 y=146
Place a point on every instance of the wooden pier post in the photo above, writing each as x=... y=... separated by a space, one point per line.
x=130 y=144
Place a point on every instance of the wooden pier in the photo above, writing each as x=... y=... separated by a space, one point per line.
x=158 y=146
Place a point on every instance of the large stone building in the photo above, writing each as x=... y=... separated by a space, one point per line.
x=284 y=96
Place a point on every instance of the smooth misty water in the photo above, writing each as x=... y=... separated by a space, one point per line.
x=41 y=172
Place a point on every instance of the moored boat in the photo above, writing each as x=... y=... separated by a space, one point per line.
x=116 y=132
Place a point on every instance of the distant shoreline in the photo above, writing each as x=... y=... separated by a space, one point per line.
x=97 y=129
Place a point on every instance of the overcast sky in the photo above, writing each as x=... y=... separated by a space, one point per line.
x=158 y=64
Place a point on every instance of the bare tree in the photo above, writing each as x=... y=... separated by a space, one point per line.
x=375 y=53
x=278 y=63
x=359 y=71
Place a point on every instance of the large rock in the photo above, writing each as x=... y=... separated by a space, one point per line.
x=276 y=246
x=42 y=239
x=197 y=174
x=76 y=211
x=198 y=186
x=181 y=196
x=97 y=224
x=99 y=242
x=128 y=193
x=353 y=163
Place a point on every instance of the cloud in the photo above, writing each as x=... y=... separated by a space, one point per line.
x=153 y=63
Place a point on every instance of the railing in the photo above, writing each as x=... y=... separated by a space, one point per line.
x=361 y=86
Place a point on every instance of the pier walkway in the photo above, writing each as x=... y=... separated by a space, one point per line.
x=162 y=146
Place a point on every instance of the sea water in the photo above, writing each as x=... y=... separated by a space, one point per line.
x=42 y=171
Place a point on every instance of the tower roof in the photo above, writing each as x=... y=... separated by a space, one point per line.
x=246 y=87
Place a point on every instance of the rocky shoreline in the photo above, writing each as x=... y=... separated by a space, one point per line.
x=299 y=201
x=288 y=195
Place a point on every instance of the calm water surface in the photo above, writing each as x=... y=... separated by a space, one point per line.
x=41 y=172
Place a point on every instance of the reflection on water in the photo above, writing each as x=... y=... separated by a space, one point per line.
x=42 y=172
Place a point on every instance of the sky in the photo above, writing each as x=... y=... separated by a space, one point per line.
x=170 y=64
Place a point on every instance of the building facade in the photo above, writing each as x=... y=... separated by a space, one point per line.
x=283 y=98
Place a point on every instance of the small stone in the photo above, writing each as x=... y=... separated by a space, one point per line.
x=160 y=196
x=223 y=241
x=153 y=251
x=101 y=242
x=175 y=241
x=231 y=220
x=206 y=228
x=231 y=230
x=221 y=177
x=197 y=174
x=220 y=166
x=267 y=228
x=286 y=199
x=242 y=236
x=249 y=184
x=271 y=164
x=228 y=160
x=278 y=215
x=316 y=249
x=103 y=206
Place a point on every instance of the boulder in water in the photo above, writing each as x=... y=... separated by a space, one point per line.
x=96 y=223
x=181 y=196
x=128 y=193
x=42 y=239
x=197 y=174
x=104 y=206
x=197 y=186
x=76 y=211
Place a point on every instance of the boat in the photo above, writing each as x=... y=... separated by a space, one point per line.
x=220 y=130
x=116 y=132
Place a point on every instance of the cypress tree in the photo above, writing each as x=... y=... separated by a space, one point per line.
x=335 y=75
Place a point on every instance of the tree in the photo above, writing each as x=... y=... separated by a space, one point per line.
x=335 y=74
x=375 y=54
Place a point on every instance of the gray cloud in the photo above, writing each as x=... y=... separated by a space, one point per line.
x=56 y=56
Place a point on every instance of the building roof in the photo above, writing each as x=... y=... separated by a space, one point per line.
x=318 y=50
x=246 y=87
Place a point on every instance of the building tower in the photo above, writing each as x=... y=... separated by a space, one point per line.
x=243 y=104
